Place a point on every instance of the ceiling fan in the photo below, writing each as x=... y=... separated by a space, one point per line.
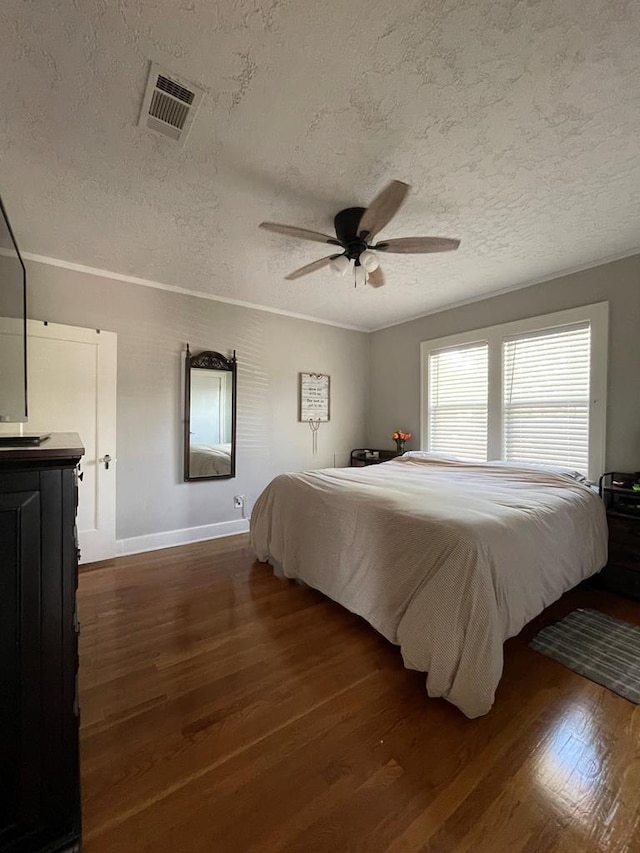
x=356 y=228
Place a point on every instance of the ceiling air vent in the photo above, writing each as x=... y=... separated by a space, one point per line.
x=170 y=104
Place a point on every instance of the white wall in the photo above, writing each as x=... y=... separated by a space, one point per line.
x=153 y=329
x=395 y=352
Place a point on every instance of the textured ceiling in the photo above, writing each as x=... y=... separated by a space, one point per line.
x=517 y=124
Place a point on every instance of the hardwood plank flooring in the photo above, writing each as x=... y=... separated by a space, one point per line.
x=224 y=711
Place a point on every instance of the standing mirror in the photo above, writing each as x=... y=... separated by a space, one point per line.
x=210 y=416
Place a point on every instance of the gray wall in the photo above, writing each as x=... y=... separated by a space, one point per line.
x=153 y=329
x=394 y=401
x=375 y=380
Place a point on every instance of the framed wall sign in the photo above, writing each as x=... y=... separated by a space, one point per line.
x=315 y=397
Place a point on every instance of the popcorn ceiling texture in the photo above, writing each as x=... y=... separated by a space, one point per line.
x=517 y=124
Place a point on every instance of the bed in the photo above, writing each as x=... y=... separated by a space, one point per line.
x=446 y=559
x=209 y=460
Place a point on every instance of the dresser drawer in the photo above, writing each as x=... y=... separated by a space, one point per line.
x=621 y=556
x=621 y=579
x=624 y=532
x=622 y=572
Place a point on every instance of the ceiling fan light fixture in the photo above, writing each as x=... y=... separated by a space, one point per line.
x=360 y=275
x=369 y=260
x=340 y=265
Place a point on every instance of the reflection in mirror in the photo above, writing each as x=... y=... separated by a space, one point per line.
x=210 y=416
x=13 y=328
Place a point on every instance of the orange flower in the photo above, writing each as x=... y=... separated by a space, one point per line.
x=399 y=435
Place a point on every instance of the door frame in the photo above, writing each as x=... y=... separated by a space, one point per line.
x=103 y=545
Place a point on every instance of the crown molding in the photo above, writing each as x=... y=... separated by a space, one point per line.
x=480 y=298
x=144 y=282
x=172 y=288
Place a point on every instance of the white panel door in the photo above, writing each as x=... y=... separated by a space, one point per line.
x=71 y=375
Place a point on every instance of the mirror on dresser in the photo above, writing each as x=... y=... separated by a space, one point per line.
x=210 y=416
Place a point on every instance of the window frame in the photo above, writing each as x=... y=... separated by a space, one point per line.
x=596 y=314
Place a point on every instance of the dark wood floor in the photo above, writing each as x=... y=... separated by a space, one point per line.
x=226 y=710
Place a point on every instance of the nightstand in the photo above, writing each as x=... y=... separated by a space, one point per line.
x=622 y=572
x=362 y=456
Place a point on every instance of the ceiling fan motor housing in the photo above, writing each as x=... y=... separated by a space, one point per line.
x=346 y=224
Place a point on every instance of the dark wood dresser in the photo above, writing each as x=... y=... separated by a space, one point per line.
x=622 y=572
x=39 y=771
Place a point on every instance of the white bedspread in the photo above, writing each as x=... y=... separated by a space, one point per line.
x=445 y=559
x=209 y=460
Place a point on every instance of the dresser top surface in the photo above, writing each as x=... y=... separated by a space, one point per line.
x=59 y=445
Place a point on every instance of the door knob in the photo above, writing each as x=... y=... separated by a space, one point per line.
x=106 y=459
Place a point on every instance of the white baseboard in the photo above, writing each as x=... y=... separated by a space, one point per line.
x=171 y=538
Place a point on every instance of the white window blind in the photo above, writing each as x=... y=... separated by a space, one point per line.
x=458 y=397
x=546 y=397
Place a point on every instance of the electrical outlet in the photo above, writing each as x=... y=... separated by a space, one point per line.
x=238 y=501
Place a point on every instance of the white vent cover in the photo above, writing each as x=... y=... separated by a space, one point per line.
x=170 y=104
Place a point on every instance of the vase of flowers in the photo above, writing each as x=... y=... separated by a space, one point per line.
x=400 y=437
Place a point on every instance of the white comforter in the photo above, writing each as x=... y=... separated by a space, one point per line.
x=209 y=460
x=445 y=559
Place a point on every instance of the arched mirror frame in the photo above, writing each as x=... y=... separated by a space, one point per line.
x=208 y=360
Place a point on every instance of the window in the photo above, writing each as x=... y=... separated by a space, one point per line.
x=546 y=397
x=529 y=391
x=458 y=386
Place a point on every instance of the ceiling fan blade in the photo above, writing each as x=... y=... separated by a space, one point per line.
x=312 y=267
x=417 y=245
x=376 y=278
x=300 y=233
x=382 y=209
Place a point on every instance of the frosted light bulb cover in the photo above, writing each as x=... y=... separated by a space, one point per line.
x=340 y=265
x=361 y=275
x=369 y=261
